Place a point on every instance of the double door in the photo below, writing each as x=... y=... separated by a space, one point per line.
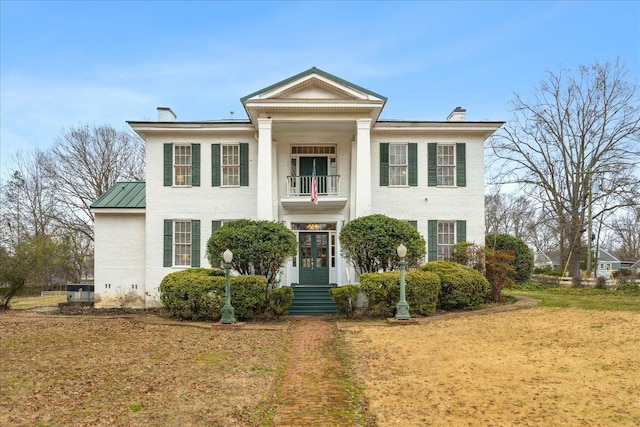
x=314 y=258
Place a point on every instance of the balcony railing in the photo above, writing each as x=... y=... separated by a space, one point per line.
x=328 y=185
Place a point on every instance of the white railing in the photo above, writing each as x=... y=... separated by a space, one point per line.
x=328 y=185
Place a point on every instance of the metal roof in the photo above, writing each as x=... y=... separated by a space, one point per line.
x=123 y=195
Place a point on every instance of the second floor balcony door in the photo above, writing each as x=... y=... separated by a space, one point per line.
x=306 y=169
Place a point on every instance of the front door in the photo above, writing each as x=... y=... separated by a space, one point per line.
x=306 y=169
x=314 y=258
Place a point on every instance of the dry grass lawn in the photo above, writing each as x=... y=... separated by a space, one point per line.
x=138 y=371
x=534 y=367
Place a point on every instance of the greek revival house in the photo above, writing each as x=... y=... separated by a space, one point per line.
x=201 y=174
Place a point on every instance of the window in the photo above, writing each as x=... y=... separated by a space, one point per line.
x=182 y=243
x=446 y=240
x=446 y=165
x=182 y=165
x=230 y=165
x=397 y=164
x=442 y=236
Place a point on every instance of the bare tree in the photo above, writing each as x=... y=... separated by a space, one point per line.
x=30 y=208
x=577 y=130
x=85 y=162
x=625 y=235
x=515 y=215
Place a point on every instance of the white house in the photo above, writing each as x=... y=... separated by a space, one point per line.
x=201 y=174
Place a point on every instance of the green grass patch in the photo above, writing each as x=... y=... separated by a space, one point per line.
x=589 y=299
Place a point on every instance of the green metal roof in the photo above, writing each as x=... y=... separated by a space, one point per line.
x=123 y=195
x=312 y=71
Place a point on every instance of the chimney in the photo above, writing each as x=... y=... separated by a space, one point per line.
x=166 y=115
x=457 y=115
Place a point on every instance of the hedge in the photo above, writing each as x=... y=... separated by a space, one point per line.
x=462 y=287
x=198 y=294
x=346 y=298
x=383 y=292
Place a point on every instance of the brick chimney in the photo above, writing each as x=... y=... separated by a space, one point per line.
x=457 y=115
x=166 y=115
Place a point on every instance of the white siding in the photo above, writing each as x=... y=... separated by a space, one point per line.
x=119 y=260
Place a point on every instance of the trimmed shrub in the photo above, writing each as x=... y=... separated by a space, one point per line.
x=462 y=287
x=523 y=258
x=280 y=300
x=383 y=292
x=346 y=298
x=198 y=294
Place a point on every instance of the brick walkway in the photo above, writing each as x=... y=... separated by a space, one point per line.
x=312 y=392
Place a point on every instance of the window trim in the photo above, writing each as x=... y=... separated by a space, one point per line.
x=404 y=165
x=224 y=157
x=452 y=166
x=188 y=167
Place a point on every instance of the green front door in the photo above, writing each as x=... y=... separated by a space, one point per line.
x=314 y=258
x=306 y=169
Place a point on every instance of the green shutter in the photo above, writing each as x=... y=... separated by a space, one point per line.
x=432 y=164
x=414 y=223
x=461 y=170
x=195 y=165
x=168 y=165
x=167 y=254
x=461 y=231
x=384 y=164
x=432 y=240
x=195 y=243
x=215 y=165
x=215 y=225
x=413 y=164
x=244 y=164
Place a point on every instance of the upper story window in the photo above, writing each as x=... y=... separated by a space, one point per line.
x=397 y=164
x=446 y=165
x=231 y=165
x=182 y=165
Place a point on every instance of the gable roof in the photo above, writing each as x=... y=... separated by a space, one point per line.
x=123 y=195
x=312 y=91
x=310 y=71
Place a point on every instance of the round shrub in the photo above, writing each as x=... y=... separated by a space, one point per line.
x=461 y=287
x=280 y=300
x=523 y=258
x=383 y=292
x=198 y=294
x=346 y=298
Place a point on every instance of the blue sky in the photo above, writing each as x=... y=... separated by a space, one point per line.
x=66 y=64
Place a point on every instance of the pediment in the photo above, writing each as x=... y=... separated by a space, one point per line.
x=313 y=91
x=314 y=84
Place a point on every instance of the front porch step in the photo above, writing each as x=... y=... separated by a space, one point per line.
x=312 y=301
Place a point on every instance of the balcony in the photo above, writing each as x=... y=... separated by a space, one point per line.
x=328 y=185
x=299 y=193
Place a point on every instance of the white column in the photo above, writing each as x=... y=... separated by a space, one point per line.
x=264 y=186
x=363 y=168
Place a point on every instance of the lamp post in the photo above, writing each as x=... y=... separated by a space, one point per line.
x=402 y=308
x=227 y=309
